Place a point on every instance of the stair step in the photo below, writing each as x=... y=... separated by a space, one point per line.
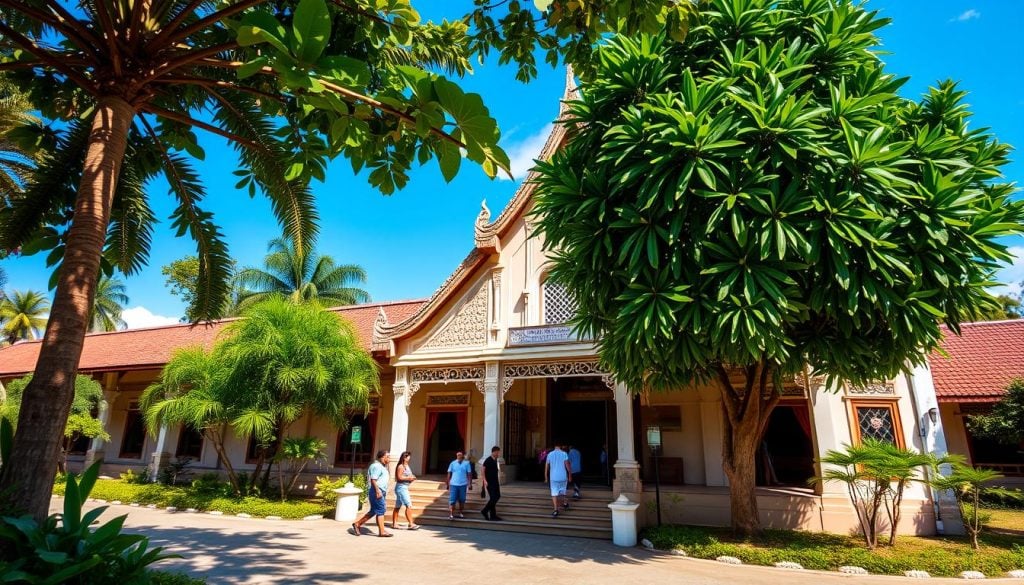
x=542 y=517
x=524 y=504
x=552 y=527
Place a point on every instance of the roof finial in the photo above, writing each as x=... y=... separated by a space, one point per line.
x=571 y=92
x=484 y=218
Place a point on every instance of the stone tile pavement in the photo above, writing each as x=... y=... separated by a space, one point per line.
x=230 y=550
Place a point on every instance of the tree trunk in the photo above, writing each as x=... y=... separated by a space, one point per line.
x=272 y=452
x=27 y=479
x=218 y=445
x=745 y=415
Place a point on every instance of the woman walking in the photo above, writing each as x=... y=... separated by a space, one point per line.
x=403 y=477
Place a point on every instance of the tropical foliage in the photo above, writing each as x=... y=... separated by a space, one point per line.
x=66 y=549
x=759 y=200
x=23 y=315
x=108 y=305
x=301 y=276
x=289 y=84
x=1005 y=306
x=968 y=486
x=1005 y=423
x=182 y=278
x=876 y=474
x=82 y=421
x=295 y=455
x=16 y=161
x=278 y=362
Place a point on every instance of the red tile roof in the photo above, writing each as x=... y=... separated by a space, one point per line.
x=981 y=362
x=151 y=347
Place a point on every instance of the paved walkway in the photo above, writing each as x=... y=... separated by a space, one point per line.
x=230 y=550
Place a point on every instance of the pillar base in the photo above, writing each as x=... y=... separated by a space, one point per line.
x=92 y=456
x=156 y=463
x=627 y=481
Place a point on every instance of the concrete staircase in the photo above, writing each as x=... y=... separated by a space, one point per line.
x=524 y=507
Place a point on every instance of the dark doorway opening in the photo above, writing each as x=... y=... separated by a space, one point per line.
x=446 y=434
x=786 y=454
x=582 y=413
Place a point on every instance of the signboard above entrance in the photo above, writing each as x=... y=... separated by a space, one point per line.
x=541 y=335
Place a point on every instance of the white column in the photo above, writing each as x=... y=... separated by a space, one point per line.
x=711 y=433
x=492 y=404
x=400 y=413
x=96 y=450
x=627 y=469
x=160 y=456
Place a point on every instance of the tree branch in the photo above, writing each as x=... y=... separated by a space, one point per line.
x=730 y=398
x=190 y=57
x=169 y=36
x=110 y=34
x=163 y=113
x=176 y=21
x=353 y=10
x=60 y=21
x=205 y=82
x=47 y=57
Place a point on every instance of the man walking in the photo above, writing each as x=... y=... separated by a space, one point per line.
x=492 y=485
x=576 y=467
x=377 y=490
x=460 y=480
x=557 y=472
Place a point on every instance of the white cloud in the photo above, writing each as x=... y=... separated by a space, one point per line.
x=522 y=153
x=969 y=14
x=1011 y=275
x=138 y=317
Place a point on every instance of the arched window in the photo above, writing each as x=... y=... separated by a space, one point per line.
x=559 y=306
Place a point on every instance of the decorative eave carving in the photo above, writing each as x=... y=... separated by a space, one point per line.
x=379 y=341
x=512 y=371
x=418 y=376
x=484 y=242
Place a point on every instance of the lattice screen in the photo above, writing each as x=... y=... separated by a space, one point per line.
x=559 y=306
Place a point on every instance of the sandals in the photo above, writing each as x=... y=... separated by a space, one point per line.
x=385 y=535
x=413 y=527
x=355 y=529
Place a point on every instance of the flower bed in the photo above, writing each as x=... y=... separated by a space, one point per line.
x=939 y=556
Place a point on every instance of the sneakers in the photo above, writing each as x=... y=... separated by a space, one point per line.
x=460 y=515
x=451 y=517
x=554 y=514
x=484 y=513
x=496 y=518
x=576 y=495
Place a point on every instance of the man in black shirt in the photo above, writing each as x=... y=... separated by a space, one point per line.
x=491 y=484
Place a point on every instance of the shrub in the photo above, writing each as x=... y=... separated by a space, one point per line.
x=165 y=578
x=142 y=477
x=64 y=549
x=968 y=484
x=326 y=485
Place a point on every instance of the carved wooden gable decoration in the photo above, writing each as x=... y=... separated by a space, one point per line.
x=467 y=327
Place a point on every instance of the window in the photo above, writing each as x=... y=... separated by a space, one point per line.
x=364 y=449
x=134 y=440
x=877 y=420
x=559 y=306
x=190 y=443
x=252 y=451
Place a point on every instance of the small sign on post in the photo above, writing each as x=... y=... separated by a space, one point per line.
x=357 y=439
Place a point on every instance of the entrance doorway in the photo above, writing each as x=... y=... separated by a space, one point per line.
x=446 y=434
x=582 y=413
x=785 y=456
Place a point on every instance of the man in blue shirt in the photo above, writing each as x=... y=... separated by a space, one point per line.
x=576 y=466
x=460 y=481
x=377 y=490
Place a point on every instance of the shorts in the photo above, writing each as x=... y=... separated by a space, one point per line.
x=456 y=493
x=558 y=487
x=402 y=496
x=378 y=506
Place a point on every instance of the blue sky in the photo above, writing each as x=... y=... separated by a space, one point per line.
x=409 y=242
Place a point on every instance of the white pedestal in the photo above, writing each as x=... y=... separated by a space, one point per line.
x=624 y=521
x=348 y=503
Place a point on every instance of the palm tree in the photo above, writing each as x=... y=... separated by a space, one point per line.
x=23 y=315
x=301 y=277
x=16 y=163
x=108 y=306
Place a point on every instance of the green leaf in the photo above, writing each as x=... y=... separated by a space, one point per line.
x=312 y=28
x=262 y=27
x=252 y=67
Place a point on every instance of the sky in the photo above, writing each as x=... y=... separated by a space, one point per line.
x=410 y=242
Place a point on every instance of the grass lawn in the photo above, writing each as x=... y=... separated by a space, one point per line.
x=1005 y=521
x=202 y=500
x=940 y=556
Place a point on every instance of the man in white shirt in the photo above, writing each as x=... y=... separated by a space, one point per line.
x=557 y=473
x=460 y=481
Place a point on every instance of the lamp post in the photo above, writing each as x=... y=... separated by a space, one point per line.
x=357 y=438
x=654 y=442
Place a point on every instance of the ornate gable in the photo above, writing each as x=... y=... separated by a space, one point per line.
x=468 y=326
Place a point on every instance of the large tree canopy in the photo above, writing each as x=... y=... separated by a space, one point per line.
x=290 y=84
x=760 y=199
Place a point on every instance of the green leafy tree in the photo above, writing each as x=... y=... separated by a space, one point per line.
x=1005 y=423
x=295 y=455
x=968 y=485
x=876 y=475
x=108 y=305
x=182 y=277
x=301 y=276
x=189 y=393
x=16 y=161
x=1001 y=308
x=82 y=421
x=289 y=84
x=758 y=200
x=23 y=315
